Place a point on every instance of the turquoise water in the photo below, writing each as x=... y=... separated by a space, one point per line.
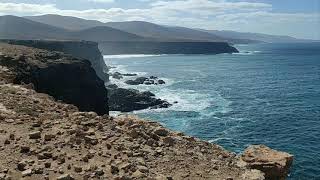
x=267 y=94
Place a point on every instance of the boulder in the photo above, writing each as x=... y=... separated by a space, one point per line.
x=27 y=172
x=117 y=75
x=65 y=177
x=137 y=81
x=35 y=135
x=161 y=132
x=153 y=77
x=129 y=74
x=160 y=81
x=274 y=164
x=150 y=82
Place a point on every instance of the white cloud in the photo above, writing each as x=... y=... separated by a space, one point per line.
x=102 y=1
x=216 y=14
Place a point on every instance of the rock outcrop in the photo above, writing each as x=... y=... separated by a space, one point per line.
x=66 y=78
x=79 y=49
x=126 y=100
x=274 y=164
x=147 y=81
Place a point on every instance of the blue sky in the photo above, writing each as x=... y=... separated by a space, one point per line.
x=298 y=18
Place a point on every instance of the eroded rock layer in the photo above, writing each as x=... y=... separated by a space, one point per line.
x=64 y=77
x=79 y=49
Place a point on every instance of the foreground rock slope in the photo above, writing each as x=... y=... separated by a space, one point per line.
x=41 y=138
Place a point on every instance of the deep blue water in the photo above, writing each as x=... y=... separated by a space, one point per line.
x=268 y=94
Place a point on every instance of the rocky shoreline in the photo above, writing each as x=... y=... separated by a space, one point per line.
x=44 y=138
x=124 y=100
x=128 y=99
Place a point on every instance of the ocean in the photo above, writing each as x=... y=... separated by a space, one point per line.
x=266 y=94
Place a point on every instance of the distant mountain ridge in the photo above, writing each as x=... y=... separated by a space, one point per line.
x=12 y=27
x=146 y=30
x=110 y=40
x=130 y=37
x=256 y=36
x=155 y=32
x=65 y=22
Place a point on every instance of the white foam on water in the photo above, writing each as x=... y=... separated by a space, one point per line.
x=188 y=100
x=126 y=56
x=247 y=52
x=221 y=105
x=219 y=139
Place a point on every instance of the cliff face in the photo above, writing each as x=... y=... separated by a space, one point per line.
x=79 y=49
x=166 y=48
x=64 y=77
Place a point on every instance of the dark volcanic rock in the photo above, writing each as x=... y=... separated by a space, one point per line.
x=64 y=77
x=117 y=75
x=79 y=49
x=147 y=81
x=139 y=80
x=126 y=100
x=161 y=81
x=129 y=74
x=112 y=86
x=166 y=48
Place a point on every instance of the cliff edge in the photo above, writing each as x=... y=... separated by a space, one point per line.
x=79 y=49
x=64 y=77
x=41 y=138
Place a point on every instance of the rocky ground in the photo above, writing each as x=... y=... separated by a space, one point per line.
x=41 y=138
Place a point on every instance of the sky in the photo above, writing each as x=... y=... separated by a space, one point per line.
x=297 y=18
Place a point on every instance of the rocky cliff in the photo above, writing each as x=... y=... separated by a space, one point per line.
x=79 y=49
x=166 y=48
x=64 y=77
x=41 y=138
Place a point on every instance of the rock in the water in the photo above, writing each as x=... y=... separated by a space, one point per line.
x=129 y=74
x=117 y=75
x=161 y=81
x=274 y=164
x=153 y=80
x=126 y=100
x=153 y=77
x=137 y=81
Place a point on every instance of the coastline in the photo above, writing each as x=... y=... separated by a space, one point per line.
x=116 y=147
